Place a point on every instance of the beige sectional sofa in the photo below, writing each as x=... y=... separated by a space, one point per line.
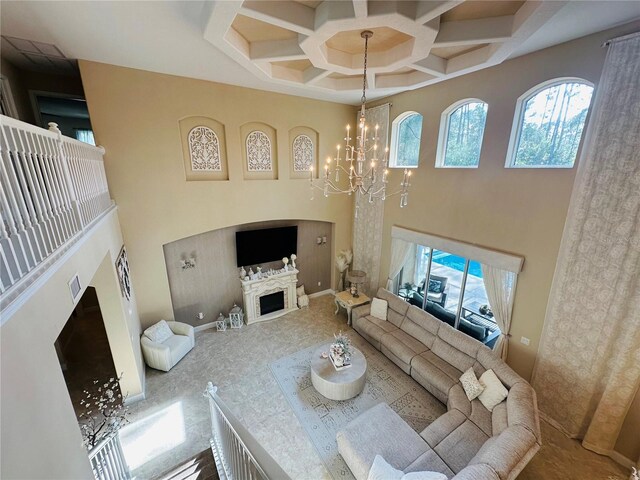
x=468 y=442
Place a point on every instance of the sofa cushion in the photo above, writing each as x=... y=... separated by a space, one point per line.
x=159 y=332
x=521 y=408
x=429 y=460
x=499 y=418
x=179 y=345
x=458 y=400
x=456 y=348
x=473 y=330
x=420 y=325
x=397 y=306
x=461 y=445
x=373 y=329
x=442 y=426
x=402 y=345
x=433 y=373
x=360 y=441
x=507 y=450
x=440 y=313
x=381 y=470
x=481 y=417
x=479 y=471
x=489 y=360
x=379 y=308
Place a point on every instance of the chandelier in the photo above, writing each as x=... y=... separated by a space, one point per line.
x=366 y=173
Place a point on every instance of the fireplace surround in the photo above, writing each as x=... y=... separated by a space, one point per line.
x=267 y=289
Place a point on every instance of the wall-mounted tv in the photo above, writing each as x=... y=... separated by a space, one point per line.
x=254 y=247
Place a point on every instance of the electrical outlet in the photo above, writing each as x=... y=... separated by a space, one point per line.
x=319 y=284
x=525 y=340
x=324 y=239
x=319 y=240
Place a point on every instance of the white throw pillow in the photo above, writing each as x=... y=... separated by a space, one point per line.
x=494 y=392
x=159 y=332
x=381 y=470
x=472 y=387
x=379 y=308
x=300 y=291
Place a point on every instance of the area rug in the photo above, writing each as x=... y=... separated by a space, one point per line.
x=322 y=418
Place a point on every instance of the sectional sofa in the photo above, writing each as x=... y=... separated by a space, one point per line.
x=468 y=442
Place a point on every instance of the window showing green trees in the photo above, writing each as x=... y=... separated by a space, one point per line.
x=405 y=141
x=463 y=135
x=551 y=125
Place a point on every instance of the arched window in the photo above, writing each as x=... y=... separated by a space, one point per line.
x=204 y=149
x=548 y=124
x=405 y=140
x=461 y=133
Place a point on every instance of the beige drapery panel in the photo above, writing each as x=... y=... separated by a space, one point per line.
x=588 y=366
x=500 y=286
x=400 y=254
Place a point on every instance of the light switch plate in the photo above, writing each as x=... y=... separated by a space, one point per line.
x=525 y=340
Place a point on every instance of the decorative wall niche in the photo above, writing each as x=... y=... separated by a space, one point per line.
x=259 y=151
x=303 y=152
x=204 y=149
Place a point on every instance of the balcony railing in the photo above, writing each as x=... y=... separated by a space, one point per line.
x=52 y=188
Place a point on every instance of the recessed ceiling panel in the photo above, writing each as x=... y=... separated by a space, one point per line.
x=476 y=9
x=257 y=31
x=384 y=38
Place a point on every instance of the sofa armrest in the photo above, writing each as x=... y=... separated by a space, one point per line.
x=361 y=311
x=458 y=400
x=156 y=355
x=179 y=328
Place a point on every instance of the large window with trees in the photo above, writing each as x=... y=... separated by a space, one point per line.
x=461 y=133
x=548 y=124
x=406 y=131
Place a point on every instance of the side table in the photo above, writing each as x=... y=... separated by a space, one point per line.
x=348 y=302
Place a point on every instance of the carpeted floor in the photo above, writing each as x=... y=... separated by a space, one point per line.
x=322 y=418
x=172 y=425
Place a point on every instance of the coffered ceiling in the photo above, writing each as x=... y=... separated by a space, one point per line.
x=318 y=44
x=309 y=48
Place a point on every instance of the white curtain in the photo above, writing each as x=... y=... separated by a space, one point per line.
x=588 y=365
x=368 y=218
x=500 y=286
x=400 y=254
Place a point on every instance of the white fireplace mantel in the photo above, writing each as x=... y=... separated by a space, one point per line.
x=252 y=290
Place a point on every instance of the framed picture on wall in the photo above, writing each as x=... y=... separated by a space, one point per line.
x=122 y=267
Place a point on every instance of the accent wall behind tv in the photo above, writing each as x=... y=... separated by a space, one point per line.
x=213 y=285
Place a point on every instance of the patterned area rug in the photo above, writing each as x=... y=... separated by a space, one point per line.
x=322 y=418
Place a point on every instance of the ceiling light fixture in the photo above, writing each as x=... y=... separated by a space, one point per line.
x=363 y=174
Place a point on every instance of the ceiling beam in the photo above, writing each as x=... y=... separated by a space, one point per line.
x=276 y=50
x=289 y=15
x=470 y=32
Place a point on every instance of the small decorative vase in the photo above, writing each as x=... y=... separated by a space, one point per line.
x=259 y=269
x=251 y=274
x=293 y=260
x=285 y=260
x=243 y=272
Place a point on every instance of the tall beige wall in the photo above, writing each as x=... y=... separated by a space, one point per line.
x=521 y=211
x=40 y=437
x=135 y=116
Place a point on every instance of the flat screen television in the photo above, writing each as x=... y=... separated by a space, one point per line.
x=254 y=247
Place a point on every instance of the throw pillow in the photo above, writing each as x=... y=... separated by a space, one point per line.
x=381 y=470
x=494 y=392
x=300 y=291
x=435 y=286
x=379 y=308
x=159 y=332
x=472 y=387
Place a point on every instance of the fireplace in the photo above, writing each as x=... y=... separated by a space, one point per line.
x=271 y=303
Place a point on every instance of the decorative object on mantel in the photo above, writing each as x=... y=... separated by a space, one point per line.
x=187 y=263
x=236 y=316
x=221 y=323
x=343 y=261
x=635 y=475
x=285 y=260
x=371 y=183
x=122 y=267
x=275 y=281
x=103 y=411
x=259 y=272
x=243 y=273
x=340 y=351
x=303 y=298
x=293 y=260
x=357 y=279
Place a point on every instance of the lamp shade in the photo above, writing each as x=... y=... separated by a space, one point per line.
x=357 y=276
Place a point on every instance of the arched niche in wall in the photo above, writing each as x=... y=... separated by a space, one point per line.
x=204 y=149
x=259 y=151
x=303 y=152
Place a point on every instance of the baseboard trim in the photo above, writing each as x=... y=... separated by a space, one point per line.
x=204 y=326
x=328 y=291
x=135 y=398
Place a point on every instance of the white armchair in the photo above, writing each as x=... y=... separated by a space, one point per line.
x=166 y=343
